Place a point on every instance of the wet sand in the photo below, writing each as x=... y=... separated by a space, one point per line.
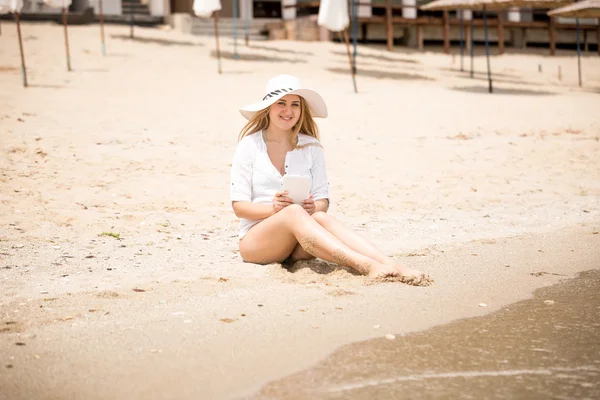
x=547 y=347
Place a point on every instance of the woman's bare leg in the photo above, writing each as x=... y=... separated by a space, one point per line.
x=356 y=242
x=299 y=254
x=273 y=239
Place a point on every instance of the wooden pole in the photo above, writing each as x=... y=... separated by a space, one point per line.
x=364 y=32
x=23 y=69
x=216 y=18
x=354 y=15
x=389 y=27
x=102 y=27
x=552 y=36
x=578 y=52
x=468 y=37
x=472 y=45
x=131 y=19
x=462 y=43
x=352 y=66
x=64 y=19
x=487 y=50
x=500 y=32
x=446 y=30
x=598 y=39
x=247 y=14
x=235 y=35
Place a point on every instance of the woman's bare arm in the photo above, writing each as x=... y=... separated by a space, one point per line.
x=322 y=205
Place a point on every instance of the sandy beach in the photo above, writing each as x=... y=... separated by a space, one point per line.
x=119 y=271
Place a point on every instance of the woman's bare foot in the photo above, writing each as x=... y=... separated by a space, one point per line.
x=379 y=271
x=412 y=276
x=399 y=273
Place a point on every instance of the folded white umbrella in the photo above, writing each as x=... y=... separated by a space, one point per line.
x=10 y=6
x=333 y=15
x=204 y=9
x=15 y=7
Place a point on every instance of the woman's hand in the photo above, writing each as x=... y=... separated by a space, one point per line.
x=309 y=205
x=280 y=201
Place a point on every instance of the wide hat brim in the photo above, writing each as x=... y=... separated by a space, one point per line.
x=315 y=102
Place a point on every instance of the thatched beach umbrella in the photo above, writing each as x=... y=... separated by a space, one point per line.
x=206 y=9
x=483 y=5
x=489 y=5
x=15 y=6
x=582 y=9
x=62 y=4
x=333 y=15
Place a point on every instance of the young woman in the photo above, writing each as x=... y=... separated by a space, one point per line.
x=282 y=138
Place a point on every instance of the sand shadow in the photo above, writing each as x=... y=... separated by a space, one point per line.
x=378 y=57
x=91 y=70
x=319 y=267
x=501 y=91
x=591 y=90
x=303 y=53
x=467 y=72
x=9 y=69
x=162 y=42
x=254 y=57
x=371 y=73
x=45 y=86
x=361 y=64
x=237 y=72
x=506 y=79
x=496 y=77
x=117 y=55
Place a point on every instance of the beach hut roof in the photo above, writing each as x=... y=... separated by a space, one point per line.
x=492 y=5
x=581 y=9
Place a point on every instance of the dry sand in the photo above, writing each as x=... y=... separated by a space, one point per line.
x=493 y=195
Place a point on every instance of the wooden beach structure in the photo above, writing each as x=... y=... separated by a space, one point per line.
x=582 y=9
x=517 y=24
x=393 y=22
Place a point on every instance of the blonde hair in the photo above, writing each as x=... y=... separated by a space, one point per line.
x=306 y=125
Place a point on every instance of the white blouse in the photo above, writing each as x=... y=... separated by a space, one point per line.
x=255 y=179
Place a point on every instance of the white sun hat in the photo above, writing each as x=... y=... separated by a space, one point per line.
x=282 y=85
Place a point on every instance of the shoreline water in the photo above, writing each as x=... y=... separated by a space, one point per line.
x=544 y=347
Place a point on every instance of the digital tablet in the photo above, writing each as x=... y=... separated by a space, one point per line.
x=297 y=186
